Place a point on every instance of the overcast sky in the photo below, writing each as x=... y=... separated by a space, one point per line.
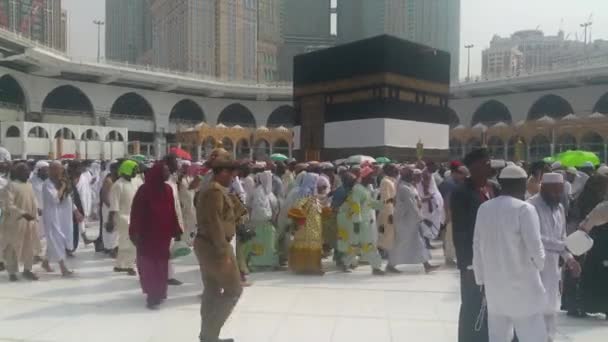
x=481 y=19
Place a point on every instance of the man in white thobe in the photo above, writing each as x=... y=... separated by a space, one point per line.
x=173 y=165
x=409 y=247
x=121 y=198
x=508 y=255
x=553 y=232
x=39 y=175
x=4 y=167
x=20 y=236
x=57 y=214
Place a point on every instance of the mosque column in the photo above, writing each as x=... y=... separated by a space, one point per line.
x=506 y=150
x=605 y=160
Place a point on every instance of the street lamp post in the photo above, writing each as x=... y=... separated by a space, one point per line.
x=99 y=24
x=585 y=25
x=469 y=47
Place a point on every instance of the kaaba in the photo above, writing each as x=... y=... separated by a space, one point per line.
x=381 y=96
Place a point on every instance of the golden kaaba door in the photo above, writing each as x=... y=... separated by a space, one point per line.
x=312 y=114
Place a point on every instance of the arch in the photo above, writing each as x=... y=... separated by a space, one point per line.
x=550 y=105
x=227 y=144
x=114 y=136
x=496 y=147
x=237 y=114
x=456 y=149
x=283 y=116
x=491 y=112
x=281 y=146
x=242 y=149
x=593 y=142
x=261 y=149
x=65 y=133
x=67 y=98
x=565 y=142
x=90 y=134
x=11 y=92
x=38 y=132
x=132 y=104
x=13 y=132
x=602 y=105
x=540 y=147
x=187 y=110
x=454 y=120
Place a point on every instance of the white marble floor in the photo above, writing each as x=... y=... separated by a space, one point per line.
x=99 y=305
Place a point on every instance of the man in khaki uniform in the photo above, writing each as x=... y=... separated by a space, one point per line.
x=217 y=214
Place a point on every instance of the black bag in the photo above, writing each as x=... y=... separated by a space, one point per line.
x=244 y=233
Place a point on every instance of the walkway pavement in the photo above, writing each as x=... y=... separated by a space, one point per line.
x=99 y=305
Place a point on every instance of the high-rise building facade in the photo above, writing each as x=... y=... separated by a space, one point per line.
x=128 y=30
x=305 y=27
x=435 y=23
x=531 y=51
x=269 y=40
x=236 y=39
x=39 y=20
x=360 y=19
x=209 y=37
x=183 y=35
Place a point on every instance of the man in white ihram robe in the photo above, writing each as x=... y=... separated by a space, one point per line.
x=553 y=232
x=409 y=247
x=39 y=175
x=508 y=255
x=57 y=211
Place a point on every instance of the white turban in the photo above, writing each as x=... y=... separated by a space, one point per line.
x=603 y=170
x=553 y=178
x=41 y=164
x=513 y=172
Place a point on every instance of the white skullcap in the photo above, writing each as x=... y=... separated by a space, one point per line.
x=556 y=166
x=513 y=172
x=417 y=171
x=552 y=178
x=603 y=170
x=571 y=170
x=259 y=165
x=497 y=163
x=185 y=162
x=40 y=164
x=588 y=164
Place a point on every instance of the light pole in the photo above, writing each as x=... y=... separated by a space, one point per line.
x=469 y=47
x=99 y=24
x=585 y=25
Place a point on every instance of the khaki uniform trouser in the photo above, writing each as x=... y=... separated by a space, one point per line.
x=11 y=258
x=222 y=287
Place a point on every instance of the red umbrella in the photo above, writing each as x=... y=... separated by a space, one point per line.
x=182 y=154
x=68 y=156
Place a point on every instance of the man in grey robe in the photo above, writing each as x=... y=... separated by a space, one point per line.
x=409 y=247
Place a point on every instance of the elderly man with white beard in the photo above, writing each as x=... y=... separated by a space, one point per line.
x=553 y=232
x=508 y=255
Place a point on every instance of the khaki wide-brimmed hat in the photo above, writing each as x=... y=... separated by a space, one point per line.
x=223 y=159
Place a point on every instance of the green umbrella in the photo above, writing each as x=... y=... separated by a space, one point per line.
x=577 y=158
x=383 y=160
x=278 y=157
x=138 y=158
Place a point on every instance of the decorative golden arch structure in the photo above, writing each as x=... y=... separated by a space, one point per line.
x=242 y=142
x=543 y=136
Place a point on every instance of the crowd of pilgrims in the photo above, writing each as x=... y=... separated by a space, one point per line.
x=504 y=230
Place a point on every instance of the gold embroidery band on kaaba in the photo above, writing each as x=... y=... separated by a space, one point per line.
x=383 y=79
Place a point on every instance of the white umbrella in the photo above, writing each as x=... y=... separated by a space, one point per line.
x=360 y=159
